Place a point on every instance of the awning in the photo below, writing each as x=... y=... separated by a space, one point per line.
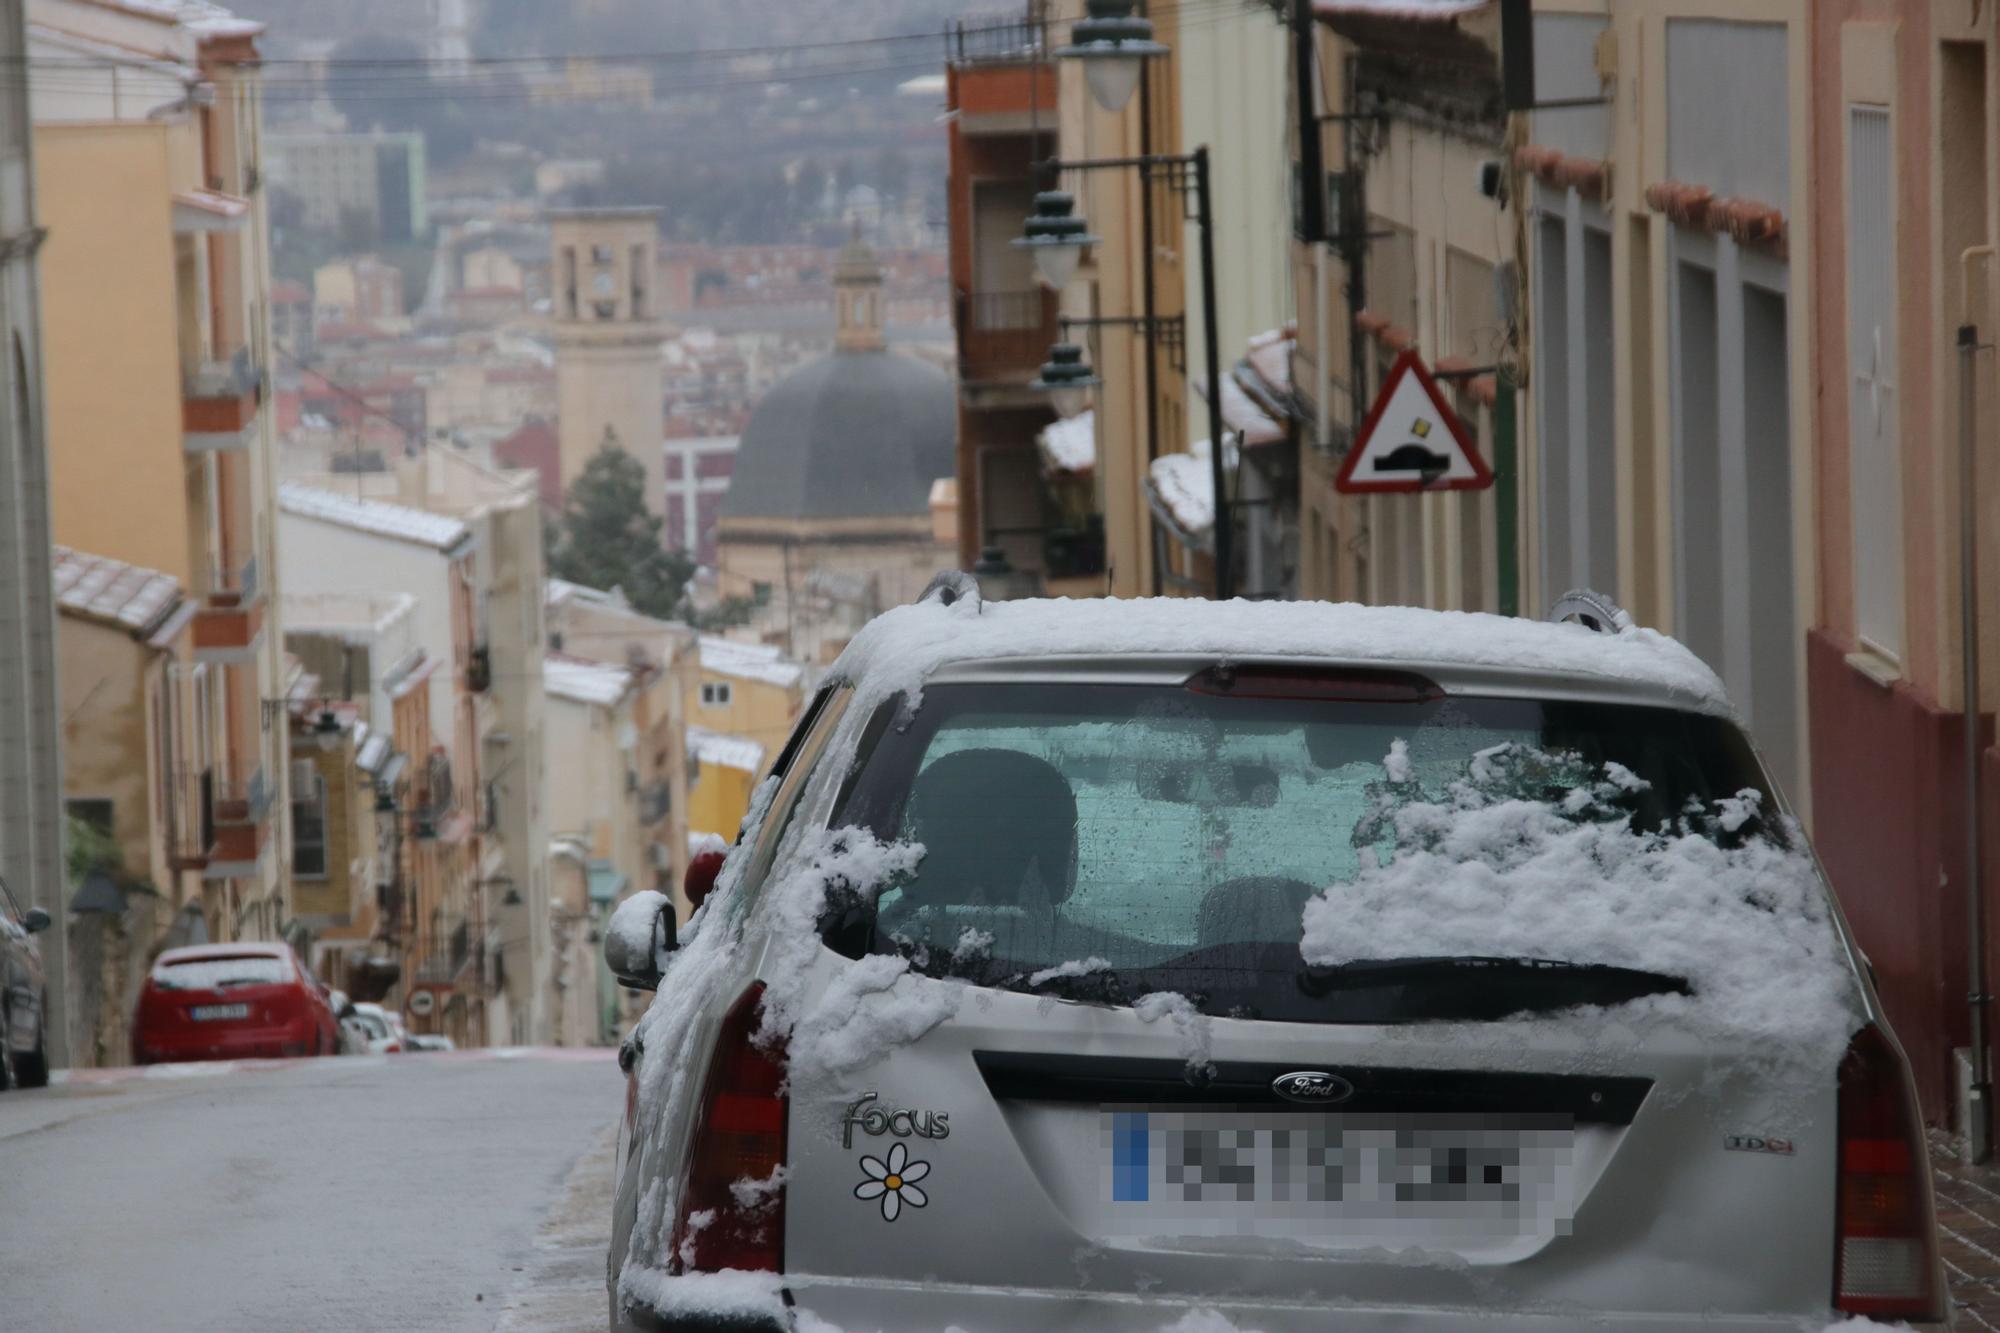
x=209 y=210
x=1251 y=424
x=606 y=883
x=1069 y=447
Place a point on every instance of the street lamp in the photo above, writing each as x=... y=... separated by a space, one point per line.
x=1056 y=236
x=1067 y=379
x=1065 y=374
x=1113 y=45
x=326 y=731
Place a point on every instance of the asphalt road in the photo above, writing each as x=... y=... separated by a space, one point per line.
x=429 y=1192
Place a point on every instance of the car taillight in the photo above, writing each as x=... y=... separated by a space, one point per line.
x=1885 y=1258
x=740 y=1140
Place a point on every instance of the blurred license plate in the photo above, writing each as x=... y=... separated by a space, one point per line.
x=205 y=1013
x=1377 y=1178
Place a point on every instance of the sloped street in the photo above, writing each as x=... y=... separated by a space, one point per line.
x=438 y=1192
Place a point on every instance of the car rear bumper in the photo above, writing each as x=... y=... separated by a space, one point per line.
x=926 y=1308
x=242 y=1044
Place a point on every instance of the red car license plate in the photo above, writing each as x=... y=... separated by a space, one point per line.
x=206 y=1013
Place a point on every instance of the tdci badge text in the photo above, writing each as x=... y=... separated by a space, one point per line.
x=880 y=1120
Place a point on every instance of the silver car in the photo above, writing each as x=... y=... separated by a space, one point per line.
x=1174 y=966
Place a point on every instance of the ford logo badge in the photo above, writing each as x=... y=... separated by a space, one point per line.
x=1312 y=1085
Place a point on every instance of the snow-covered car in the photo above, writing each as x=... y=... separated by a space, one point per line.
x=245 y=1000
x=1143 y=965
x=366 y=1030
x=430 y=1041
x=24 y=1023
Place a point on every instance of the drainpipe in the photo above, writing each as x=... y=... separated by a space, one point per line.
x=1978 y=1110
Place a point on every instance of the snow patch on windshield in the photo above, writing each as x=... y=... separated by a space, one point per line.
x=898 y=650
x=1189 y=1021
x=1397 y=762
x=973 y=945
x=1204 y=1321
x=1489 y=869
x=1075 y=967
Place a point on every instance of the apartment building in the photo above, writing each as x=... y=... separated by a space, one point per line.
x=446 y=805
x=155 y=278
x=375 y=181
x=31 y=851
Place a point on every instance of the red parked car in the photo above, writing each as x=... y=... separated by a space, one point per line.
x=231 y=1001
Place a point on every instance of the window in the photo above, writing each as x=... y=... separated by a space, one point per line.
x=638 y=282
x=1874 y=462
x=715 y=694
x=308 y=821
x=600 y=254
x=1178 y=835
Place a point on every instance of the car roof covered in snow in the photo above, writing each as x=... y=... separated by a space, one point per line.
x=1465 y=652
x=189 y=953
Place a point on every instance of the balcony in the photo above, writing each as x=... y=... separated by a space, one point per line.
x=240 y=812
x=219 y=403
x=1003 y=337
x=230 y=621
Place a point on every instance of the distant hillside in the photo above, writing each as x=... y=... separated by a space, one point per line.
x=604 y=27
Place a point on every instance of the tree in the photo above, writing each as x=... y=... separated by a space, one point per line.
x=609 y=539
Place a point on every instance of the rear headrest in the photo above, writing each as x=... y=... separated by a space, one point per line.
x=998 y=828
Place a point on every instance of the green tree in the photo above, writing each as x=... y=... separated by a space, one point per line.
x=609 y=539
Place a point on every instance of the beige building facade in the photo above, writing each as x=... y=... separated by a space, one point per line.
x=155 y=279
x=608 y=337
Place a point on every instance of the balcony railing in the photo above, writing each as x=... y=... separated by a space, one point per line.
x=241 y=812
x=979 y=39
x=1004 y=335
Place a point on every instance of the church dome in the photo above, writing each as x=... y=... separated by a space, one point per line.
x=859 y=434
x=852 y=435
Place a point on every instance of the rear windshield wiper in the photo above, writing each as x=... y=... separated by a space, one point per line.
x=1472 y=986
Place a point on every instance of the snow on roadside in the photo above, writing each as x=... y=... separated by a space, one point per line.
x=1482 y=870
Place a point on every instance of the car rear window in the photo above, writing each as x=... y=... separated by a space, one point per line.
x=216 y=973
x=1106 y=841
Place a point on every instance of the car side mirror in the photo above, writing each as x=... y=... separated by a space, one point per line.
x=35 y=920
x=347 y=1011
x=701 y=875
x=641 y=935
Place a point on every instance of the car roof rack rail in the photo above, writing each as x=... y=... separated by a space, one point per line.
x=1590 y=609
x=949 y=587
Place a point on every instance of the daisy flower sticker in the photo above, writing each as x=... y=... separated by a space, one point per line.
x=894 y=1182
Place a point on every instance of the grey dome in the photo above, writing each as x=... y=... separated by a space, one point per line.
x=852 y=435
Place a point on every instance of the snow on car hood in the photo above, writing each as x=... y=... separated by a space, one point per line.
x=898 y=650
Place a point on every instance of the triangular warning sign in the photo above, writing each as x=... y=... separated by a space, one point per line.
x=1412 y=441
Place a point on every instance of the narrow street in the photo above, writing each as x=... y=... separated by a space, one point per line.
x=440 y=1192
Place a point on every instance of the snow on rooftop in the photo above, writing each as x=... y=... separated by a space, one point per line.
x=558 y=592
x=103 y=589
x=584 y=682
x=353 y=616
x=724 y=750
x=748 y=661
x=1070 y=445
x=374 y=516
x=900 y=649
